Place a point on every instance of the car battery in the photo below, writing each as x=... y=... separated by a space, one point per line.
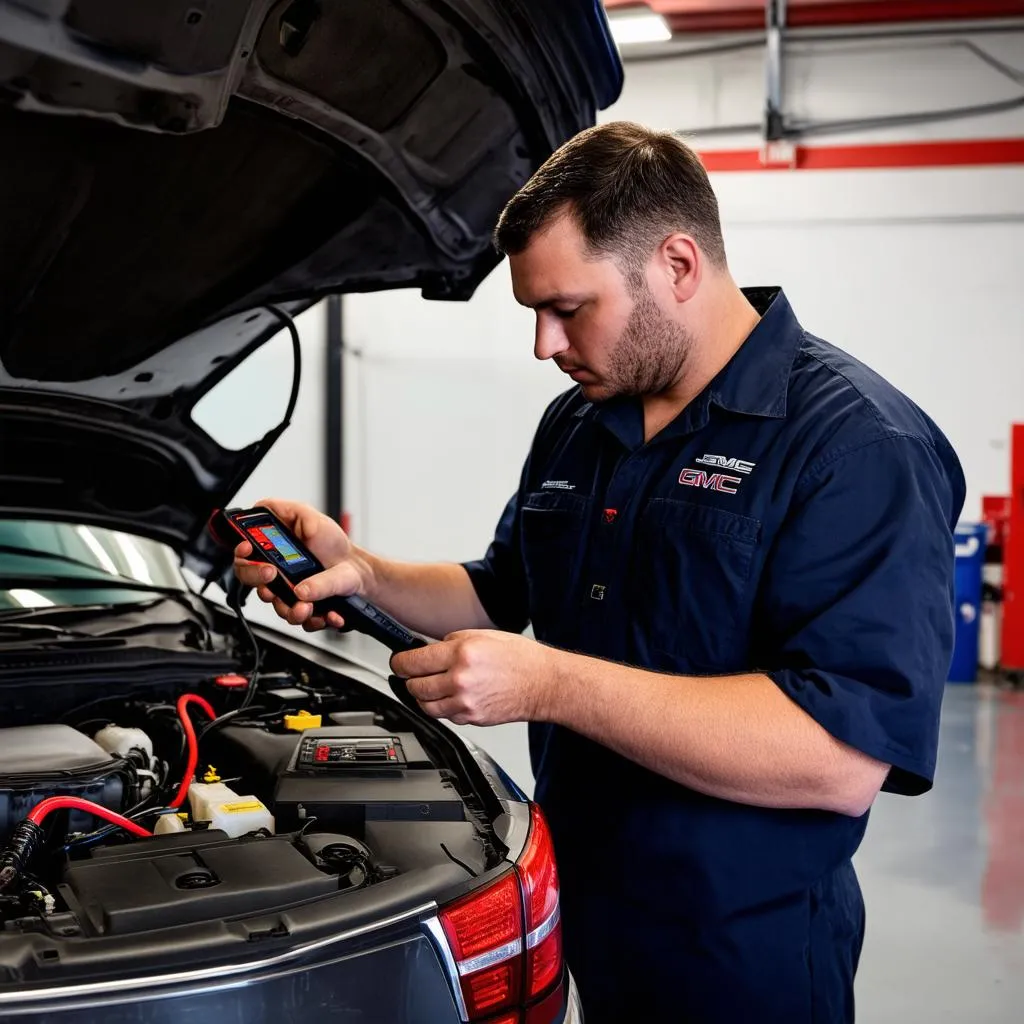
x=346 y=776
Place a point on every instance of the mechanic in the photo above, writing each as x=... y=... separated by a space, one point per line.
x=734 y=543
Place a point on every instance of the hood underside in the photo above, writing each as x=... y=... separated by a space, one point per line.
x=170 y=168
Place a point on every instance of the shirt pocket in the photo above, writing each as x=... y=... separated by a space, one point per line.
x=691 y=585
x=552 y=525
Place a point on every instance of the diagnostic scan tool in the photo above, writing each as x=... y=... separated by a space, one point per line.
x=272 y=542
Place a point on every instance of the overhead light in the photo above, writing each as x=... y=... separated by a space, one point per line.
x=639 y=27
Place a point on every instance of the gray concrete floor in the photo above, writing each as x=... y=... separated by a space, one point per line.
x=943 y=877
x=942 y=874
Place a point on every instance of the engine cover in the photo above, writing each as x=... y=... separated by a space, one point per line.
x=38 y=761
x=189 y=877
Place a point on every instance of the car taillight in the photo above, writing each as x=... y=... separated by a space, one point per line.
x=543 y=925
x=506 y=939
x=485 y=932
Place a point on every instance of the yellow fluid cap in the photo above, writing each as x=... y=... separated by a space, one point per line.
x=183 y=815
x=211 y=775
x=303 y=720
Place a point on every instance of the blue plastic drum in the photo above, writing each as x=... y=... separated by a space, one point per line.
x=971 y=539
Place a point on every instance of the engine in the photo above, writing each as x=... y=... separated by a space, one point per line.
x=159 y=815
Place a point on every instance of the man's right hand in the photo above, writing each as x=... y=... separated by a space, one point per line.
x=346 y=570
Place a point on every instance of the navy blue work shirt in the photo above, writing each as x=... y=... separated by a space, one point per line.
x=795 y=519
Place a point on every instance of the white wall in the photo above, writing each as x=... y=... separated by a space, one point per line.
x=442 y=401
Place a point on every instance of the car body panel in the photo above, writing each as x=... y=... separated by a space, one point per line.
x=172 y=170
x=397 y=980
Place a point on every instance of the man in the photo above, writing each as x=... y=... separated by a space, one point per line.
x=735 y=545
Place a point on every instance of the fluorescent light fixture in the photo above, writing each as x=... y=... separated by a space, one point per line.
x=30 y=598
x=639 y=27
x=97 y=549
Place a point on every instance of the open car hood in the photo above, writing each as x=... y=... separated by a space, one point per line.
x=172 y=169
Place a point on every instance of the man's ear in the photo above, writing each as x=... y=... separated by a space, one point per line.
x=682 y=264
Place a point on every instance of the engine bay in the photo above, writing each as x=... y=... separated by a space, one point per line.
x=220 y=799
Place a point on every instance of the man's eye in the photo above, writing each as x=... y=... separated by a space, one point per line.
x=566 y=314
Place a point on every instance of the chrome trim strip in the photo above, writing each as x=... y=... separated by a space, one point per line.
x=573 y=1010
x=218 y=973
x=542 y=931
x=491 y=958
x=432 y=926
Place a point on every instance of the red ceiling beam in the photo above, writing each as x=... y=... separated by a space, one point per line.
x=939 y=153
x=690 y=16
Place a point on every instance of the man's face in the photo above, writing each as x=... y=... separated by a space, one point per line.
x=606 y=332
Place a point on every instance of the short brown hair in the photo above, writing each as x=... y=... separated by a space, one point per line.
x=627 y=187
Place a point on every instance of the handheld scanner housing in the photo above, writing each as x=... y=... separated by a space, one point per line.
x=272 y=542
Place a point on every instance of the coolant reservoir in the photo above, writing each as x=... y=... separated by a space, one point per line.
x=224 y=809
x=116 y=740
x=168 y=823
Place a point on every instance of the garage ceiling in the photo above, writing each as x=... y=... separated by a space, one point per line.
x=688 y=16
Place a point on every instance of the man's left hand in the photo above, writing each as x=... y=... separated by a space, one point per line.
x=480 y=677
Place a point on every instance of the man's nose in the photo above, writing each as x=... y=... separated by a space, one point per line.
x=550 y=339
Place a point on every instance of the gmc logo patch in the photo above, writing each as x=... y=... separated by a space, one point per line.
x=736 y=465
x=710 y=481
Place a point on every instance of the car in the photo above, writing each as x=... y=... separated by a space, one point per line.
x=201 y=818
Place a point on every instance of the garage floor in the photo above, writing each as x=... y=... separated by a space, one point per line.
x=943 y=877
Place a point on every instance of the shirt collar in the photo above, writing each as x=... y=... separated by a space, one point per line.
x=755 y=382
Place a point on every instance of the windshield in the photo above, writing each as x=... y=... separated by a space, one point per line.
x=46 y=564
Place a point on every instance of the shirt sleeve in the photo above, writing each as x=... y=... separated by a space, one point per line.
x=858 y=601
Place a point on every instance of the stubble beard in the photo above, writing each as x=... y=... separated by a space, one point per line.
x=650 y=355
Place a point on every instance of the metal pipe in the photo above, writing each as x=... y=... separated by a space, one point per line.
x=775 y=23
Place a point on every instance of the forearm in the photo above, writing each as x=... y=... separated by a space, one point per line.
x=734 y=737
x=434 y=599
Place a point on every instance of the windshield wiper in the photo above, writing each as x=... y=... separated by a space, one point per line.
x=56 y=556
x=26 y=635
x=35 y=628
x=15 y=617
x=61 y=611
x=77 y=641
